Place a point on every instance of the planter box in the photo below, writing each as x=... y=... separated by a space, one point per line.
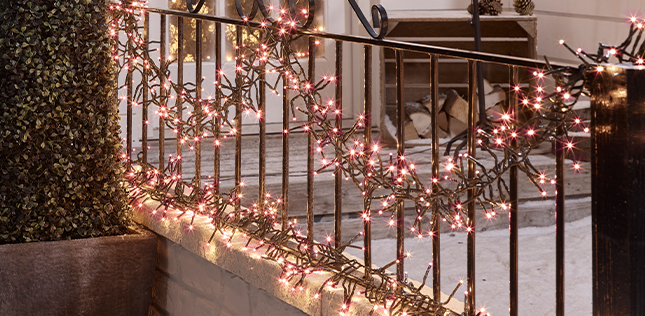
x=94 y=276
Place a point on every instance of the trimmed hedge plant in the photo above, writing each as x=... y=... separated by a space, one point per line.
x=60 y=176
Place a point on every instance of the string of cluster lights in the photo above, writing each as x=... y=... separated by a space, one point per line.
x=286 y=247
x=622 y=53
x=360 y=162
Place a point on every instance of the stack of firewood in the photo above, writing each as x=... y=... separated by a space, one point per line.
x=453 y=113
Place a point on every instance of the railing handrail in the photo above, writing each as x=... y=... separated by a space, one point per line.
x=386 y=43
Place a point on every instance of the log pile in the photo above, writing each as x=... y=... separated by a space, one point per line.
x=453 y=113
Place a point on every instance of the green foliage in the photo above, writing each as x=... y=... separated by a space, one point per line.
x=60 y=176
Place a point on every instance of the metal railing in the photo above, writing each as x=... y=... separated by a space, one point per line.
x=369 y=45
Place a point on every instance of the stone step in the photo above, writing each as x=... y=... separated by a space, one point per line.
x=577 y=183
x=530 y=214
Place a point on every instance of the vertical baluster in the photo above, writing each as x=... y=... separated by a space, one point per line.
x=367 y=139
x=285 y=149
x=560 y=148
x=129 y=60
x=199 y=134
x=470 y=222
x=512 y=215
x=436 y=219
x=310 y=145
x=180 y=83
x=163 y=61
x=238 y=113
x=338 y=185
x=262 y=121
x=146 y=88
x=400 y=154
x=216 y=108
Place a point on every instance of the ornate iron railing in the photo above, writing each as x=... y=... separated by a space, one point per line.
x=355 y=155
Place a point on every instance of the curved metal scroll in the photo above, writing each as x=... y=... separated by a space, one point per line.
x=254 y=9
x=379 y=19
x=262 y=7
x=311 y=11
x=195 y=5
x=265 y=12
x=192 y=8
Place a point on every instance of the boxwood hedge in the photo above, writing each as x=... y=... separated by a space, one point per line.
x=60 y=176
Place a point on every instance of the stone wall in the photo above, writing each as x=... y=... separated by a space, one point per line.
x=187 y=284
x=223 y=277
x=197 y=275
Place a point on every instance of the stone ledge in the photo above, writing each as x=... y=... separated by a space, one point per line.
x=251 y=268
x=261 y=273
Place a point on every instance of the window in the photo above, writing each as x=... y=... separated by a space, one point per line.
x=250 y=37
x=190 y=33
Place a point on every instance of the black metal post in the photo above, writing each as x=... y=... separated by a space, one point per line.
x=338 y=180
x=262 y=154
x=400 y=153
x=218 y=103
x=129 y=100
x=480 y=68
x=238 y=114
x=469 y=307
x=512 y=215
x=618 y=191
x=180 y=82
x=199 y=130
x=367 y=138
x=311 y=72
x=146 y=90
x=285 y=150
x=436 y=218
x=163 y=93
x=560 y=149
